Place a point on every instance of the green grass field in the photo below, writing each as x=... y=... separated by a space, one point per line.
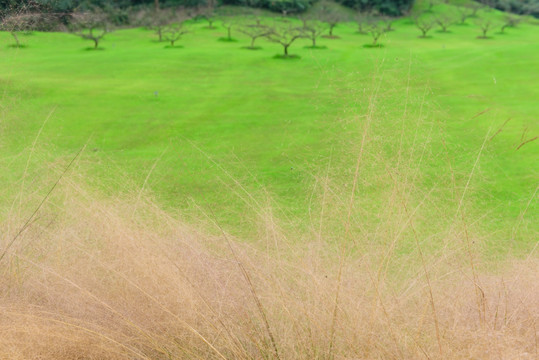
x=211 y=121
x=212 y=202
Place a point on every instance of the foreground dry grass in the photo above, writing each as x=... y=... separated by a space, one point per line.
x=118 y=279
x=395 y=264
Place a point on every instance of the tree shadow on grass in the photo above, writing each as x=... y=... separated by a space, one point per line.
x=287 y=57
x=317 y=47
x=174 y=47
x=252 y=47
x=373 y=46
x=94 y=49
x=15 y=46
x=224 y=39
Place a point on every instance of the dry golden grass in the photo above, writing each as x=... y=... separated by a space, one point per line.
x=92 y=278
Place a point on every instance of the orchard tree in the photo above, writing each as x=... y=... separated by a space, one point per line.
x=363 y=21
x=254 y=31
x=208 y=13
x=330 y=16
x=474 y=8
x=175 y=29
x=376 y=30
x=424 y=25
x=444 y=22
x=464 y=14
x=285 y=33
x=228 y=23
x=305 y=19
x=430 y=5
x=173 y=32
x=509 y=20
x=18 y=21
x=486 y=25
x=254 y=16
x=313 y=29
x=155 y=20
x=94 y=25
x=388 y=22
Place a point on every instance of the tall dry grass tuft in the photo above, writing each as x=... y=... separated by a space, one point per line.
x=90 y=279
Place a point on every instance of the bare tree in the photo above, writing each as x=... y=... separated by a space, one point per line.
x=388 y=22
x=209 y=15
x=474 y=8
x=208 y=12
x=254 y=31
x=313 y=30
x=155 y=20
x=363 y=21
x=332 y=19
x=285 y=33
x=444 y=22
x=509 y=21
x=331 y=16
x=430 y=4
x=376 y=31
x=17 y=22
x=485 y=24
x=254 y=16
x=91 y=25
x=228 y=23
x=173 y=32
x=424 y=24
x=464 y=14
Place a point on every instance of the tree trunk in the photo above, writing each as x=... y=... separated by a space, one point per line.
x=253 y=42
x=172 y=43
x=286 y=50
x=16 y=38
x=96 y=43
x=160 y=34
x=331 y=30
x=229 y=33
x=314 y=41
x=156 y=3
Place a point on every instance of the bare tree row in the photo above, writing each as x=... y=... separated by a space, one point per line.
x=171 y=25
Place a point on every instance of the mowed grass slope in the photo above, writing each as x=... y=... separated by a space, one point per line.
x=209 y=115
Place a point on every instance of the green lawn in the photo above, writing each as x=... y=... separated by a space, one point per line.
x=210 y=111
